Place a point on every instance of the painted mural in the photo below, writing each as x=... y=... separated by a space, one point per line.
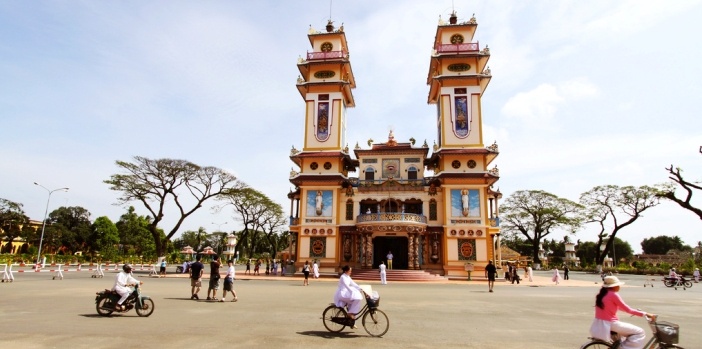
x=466 y=250
x=465 y=203
x=391 y=168
x=461 y=122
x=323 y=121
x=319 y=203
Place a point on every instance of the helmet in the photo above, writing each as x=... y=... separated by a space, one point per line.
x=127 y=268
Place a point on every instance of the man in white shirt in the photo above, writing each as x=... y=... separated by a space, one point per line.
x=383 y=274
x=122 y=282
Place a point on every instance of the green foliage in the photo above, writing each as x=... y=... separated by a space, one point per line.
x=70 y=228
x=661 y=244
x=105 y=237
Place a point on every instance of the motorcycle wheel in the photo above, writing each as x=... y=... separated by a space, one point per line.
x=103 y=305
x=668 y=283
x=687 y=284
x=146 y=309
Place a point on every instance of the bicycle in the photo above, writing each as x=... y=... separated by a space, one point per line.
x=665 y=335
x=374 y=320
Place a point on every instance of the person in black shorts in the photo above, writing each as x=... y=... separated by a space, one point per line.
x=306 y=271
x=490 y=272
x=196 y=270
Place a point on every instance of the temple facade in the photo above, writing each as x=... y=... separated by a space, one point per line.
x=434 y=208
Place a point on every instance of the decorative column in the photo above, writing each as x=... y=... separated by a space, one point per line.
x=367 y=251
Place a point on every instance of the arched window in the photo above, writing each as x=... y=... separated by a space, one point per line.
x=412 y=173
x=370 y=174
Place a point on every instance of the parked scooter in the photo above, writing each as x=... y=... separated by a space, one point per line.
x=106 y=300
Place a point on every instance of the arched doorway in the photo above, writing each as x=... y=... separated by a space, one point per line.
x=397 y=244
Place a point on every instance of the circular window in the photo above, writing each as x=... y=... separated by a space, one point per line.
x=327 y=47
x=456 y=39
x=471 y=163
x=456 y=164
x=327 y=165
x=314 y=165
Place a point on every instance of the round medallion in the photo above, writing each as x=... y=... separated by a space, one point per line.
x=314 y=165
x=470 y=233
x=329 y=232
x=318 y=247
x=307 y=231
x=471 y=164
x=456 y=39
x=479 y=233
x=466 y=249
x=456 y=164
x=453 y=232
x=327 y=165
x=461 y=232
x=327 y=46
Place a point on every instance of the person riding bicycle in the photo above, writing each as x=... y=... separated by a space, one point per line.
x=349 y=294
x=607 y=303
x=122 y=282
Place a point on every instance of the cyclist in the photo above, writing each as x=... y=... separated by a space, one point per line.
x=607 y=303
x=348 y=294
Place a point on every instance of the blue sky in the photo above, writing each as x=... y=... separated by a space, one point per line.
x=582 y=94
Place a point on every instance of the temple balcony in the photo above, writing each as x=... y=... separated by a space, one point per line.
x=323 y=56
x=458 y=48
x=391 y=217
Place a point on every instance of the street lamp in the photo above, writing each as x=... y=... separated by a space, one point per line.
x=221 y=235
x=46 y=212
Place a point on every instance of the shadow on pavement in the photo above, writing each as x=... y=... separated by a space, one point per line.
x=329 y=335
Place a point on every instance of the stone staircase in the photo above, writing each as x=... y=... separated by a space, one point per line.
x=396 y=275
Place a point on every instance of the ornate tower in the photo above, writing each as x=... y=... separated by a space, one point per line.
x=458 y=76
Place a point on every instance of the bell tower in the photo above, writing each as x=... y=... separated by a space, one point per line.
x=458 y=76
x=325 y=84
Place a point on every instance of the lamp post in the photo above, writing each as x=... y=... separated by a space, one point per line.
x=221 y=235
x=46 y=212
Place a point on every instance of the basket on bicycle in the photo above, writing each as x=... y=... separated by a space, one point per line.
x=373 y=301
x=667 y=332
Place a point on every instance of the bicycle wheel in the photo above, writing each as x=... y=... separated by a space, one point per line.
x=329 y=314
x=376 y=322
x=596 y=344
x=687 y=284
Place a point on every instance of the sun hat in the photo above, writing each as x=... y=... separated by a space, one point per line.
x=611 y=281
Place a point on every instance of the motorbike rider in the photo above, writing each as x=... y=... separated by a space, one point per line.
x=122 y=282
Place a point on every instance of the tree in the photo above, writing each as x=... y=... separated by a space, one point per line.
x=669 y=192
x=70 y=228
x=260 y=216
x=105 y=237
x=134 y=234
x=535 y=214
x=662 y=244
x=616 y=207
x=12 y=218
x=165 y=184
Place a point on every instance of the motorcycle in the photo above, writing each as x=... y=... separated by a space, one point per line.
x=106 y=300
x=680 y=281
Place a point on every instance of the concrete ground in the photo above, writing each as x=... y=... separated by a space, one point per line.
x=278 y=312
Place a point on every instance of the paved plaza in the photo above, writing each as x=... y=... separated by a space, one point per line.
x=278 y=312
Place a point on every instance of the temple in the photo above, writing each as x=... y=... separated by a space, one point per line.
x=434 y=208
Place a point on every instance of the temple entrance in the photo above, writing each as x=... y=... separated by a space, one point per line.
x=397 y=244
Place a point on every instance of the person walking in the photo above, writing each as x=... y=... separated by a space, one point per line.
x=556 y=276
x=196 y=271
x=490 y=272
x=515 y=274
x=306 y=271
x=696 y=274
x=248 y=267
x=389 y=257
x=530 y=272
x=383 y=273
x=257 y=265
x=229 y=282
x=315 y=269
x=214 y=278
x=565 y=273
x=162 y=271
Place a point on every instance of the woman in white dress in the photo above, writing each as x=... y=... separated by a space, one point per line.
x=315 y=270
x=348 y=294
x=556 y=276
x=529 y=271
